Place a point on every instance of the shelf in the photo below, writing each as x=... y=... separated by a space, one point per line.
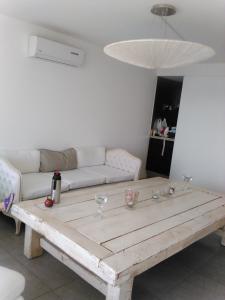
x=162 y=138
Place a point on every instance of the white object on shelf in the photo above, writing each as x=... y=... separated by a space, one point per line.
x=164 y=123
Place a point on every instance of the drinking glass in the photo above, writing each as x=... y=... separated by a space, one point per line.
x=155 y=194
x=101 y=200
x=131 y=197
x=187 y=180
x=164 y=190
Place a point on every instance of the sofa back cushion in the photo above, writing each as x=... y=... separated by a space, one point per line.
x=51 y=161
x=90 y=156
x=27 y=161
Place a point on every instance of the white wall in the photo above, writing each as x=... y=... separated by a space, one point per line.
x=199 y=148
x=44 y=104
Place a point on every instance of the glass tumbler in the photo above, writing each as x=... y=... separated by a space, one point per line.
x=131 y=197
x=101 y=200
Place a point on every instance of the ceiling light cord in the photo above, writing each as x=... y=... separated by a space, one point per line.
x=163 y=18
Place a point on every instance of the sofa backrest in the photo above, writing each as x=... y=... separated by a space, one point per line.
x=27 y=161
x=90 y=156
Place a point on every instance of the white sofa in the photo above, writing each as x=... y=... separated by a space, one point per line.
x=19 y=172
x=12 y=284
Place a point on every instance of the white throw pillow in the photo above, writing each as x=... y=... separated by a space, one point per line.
x=27 y=161
x=90 y=156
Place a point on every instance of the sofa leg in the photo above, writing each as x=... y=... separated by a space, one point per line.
x=18 y=226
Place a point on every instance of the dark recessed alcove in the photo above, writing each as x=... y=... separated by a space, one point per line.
x=166 y=106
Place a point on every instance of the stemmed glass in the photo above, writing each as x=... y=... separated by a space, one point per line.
x=101 y=200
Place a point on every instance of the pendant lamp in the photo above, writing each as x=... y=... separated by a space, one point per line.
x=159 y=53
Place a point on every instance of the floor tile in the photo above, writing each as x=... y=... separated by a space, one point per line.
x=195 y=255
x=49 y=270
x=212 y=242
x=3 y=254
x=7 y=226
x=215 y=268
x=142 y=292
x=196 y=287
x=34 y=286
x=79 y=290
x=164 y=276
x=13 y=243
x=48 y=296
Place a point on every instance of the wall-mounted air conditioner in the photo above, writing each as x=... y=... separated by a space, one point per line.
x=54 y=51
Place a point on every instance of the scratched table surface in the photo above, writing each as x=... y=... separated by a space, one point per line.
x=125 y=242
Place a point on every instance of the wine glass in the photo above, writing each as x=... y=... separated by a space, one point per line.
x=101 y=200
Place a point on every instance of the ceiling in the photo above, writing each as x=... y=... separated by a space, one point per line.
x=106 y=21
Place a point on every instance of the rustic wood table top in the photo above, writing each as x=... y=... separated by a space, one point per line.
x=125 y=241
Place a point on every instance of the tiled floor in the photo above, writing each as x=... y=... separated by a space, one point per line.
x=195 y=273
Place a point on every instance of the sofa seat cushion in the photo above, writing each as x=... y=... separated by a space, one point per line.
x=79 y=178
x=111 y=174
x=36 y=185
x=12 y=284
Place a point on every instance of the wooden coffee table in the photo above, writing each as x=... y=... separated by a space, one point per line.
x=109 y=252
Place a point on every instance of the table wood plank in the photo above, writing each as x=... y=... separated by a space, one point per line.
x=88 y=206
x=82 y=194
x=106 y=229
x=144 y=201
x=113 y=212
x=70 y=241
x=85 y=194
x=123 y=242
x=145 y=255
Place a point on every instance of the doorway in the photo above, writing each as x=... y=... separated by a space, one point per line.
x=164 y=124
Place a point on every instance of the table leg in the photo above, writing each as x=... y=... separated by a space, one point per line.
x=18 y=225
x=121 y=292
x=223 y=236
x=32 y=246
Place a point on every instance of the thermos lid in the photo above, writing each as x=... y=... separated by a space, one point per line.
x=57 y=175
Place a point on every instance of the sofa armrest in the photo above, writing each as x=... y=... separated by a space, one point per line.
x=10 y=180
x=123 y=160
